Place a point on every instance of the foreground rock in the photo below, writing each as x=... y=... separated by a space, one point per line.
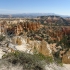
x=66 y=58
x=30 y=46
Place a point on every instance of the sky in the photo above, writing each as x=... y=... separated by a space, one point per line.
x=61 y=7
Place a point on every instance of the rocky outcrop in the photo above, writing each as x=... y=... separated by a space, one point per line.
x=16 y=40
x=18 y=29
x=41 y=47
x=66 y=58
x=31 y=26
x=53 y=20
x=21 y=27
x=3 y=27
x=44 y=49
x=33 y=45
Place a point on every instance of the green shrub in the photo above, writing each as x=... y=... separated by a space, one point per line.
x=59 y=62
x=42 y=57
x=49 y=59
x=2 y=37
x=35 y=62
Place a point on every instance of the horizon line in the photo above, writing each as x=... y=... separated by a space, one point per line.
x=34 y=13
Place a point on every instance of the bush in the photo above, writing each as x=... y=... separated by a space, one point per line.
x=2 y=37
x=35 y=62
x=57 y=59
x=48 y=59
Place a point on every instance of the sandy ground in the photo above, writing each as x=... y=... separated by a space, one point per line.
x=67 y=66
x=56 y=67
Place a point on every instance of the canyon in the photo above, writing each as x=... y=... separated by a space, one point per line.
x=32 y=36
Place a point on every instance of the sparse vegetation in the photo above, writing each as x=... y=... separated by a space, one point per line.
x=2 y=37
x=35 y=62
x=28 y=61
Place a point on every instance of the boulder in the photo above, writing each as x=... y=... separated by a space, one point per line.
x=45 y=49
x=66 y=58
x=17 y=40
